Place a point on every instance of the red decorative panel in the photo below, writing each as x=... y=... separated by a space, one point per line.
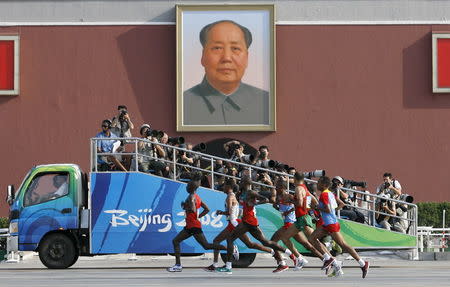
x=6 y=65
x=443 y=62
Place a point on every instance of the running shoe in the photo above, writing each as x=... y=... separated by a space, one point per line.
x=235 y=253
x=327 y=263
x=281 y=268
x=224 y=270
x=365 y=269
x=300 y=264
x=337 y=269
x=210 y=268
x=293 y=258
x=175 y=268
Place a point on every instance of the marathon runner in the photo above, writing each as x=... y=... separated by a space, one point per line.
x=249 y=224
x=193 y=225
x=329 y=224
x=232 y=212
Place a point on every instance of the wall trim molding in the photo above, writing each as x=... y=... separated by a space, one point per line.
x=281 y=23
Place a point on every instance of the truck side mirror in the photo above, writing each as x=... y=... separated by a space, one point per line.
x=10 y=192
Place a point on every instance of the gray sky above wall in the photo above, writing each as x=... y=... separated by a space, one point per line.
x=119 y=12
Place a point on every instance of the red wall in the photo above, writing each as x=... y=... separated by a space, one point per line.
x=353 y=100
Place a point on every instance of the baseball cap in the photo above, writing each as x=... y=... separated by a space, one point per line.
x=338 y=178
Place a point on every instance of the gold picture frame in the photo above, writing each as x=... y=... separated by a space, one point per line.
x=225 y=68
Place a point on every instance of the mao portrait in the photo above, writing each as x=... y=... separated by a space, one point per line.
x=228 y=83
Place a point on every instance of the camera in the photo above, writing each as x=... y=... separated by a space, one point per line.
x=247 y=158
x=156 y=134
x=350 y=183
x=386 y=185
x=316 y=173
x=277 y=165
x=148 y=133
x=406 y=197
x=176 y=140
x=234 y=146
x=122 y=114
x=201 y=147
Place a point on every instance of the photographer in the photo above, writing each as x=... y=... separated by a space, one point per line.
x=262 y=159
x=149 y=162
x=347 y=211
x=235 y=151
x=264 y=178
x=391 y=184
x=400 y=225
x=184 y=158
x=111 y=145
x=230 y=147
x=121 y=124
x=385 y=205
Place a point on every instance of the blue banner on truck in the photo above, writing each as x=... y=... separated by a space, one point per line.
x=141 y=213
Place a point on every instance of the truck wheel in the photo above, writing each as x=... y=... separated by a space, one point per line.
x=57 y=251
x=245 y=259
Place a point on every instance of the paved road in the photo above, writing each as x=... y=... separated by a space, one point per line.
x=150 y=271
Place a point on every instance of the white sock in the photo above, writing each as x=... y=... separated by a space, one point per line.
x=282 y=262
x=326 y=256
x=272 y=252
x=228 y=265
x=287 y=252
x=300 y=256
x=216 y=264
x=361 y=262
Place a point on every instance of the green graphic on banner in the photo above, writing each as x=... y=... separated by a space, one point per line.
x=356 y=234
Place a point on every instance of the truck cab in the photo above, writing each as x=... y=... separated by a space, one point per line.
x=46 y=213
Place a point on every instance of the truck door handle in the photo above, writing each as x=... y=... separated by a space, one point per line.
x=66 y=210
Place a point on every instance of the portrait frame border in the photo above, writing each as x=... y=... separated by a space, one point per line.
x=180 y=127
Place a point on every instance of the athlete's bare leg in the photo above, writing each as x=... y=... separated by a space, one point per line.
x=323 y=250
x=253 y=245
x=200 y=237
x=219 y=238
x=183 y=235
x=281 y=234
x=315 y=237
x=240 y=230
x=303 y=240
x=257 y=233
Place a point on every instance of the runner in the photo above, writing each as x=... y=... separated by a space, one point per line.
x=232 y=212
x=302 y=200
x=330 y=225
x=193 y=225
x=282 y=202
x=249 y=224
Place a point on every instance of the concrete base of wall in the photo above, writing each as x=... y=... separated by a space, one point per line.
x=431 y=256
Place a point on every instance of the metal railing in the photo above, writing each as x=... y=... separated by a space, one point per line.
x=433 y=238
x=365 y=203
